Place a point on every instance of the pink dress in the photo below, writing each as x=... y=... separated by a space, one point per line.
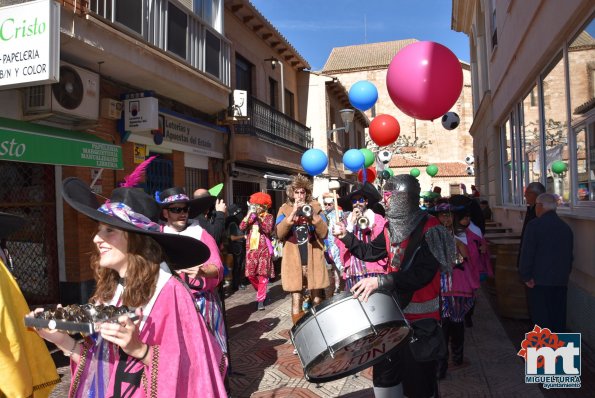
x=259 y=261
x=185 y=360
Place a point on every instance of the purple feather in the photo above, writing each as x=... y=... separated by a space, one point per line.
x=132 y=179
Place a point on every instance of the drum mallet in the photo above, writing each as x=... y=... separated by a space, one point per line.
x=334 y=185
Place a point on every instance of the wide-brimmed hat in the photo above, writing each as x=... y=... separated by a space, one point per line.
x=175 y=195
x=368 y=190
x=132 y=210
x=10 y=223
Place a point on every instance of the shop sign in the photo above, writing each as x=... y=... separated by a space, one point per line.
x=141 y=114
x=30 y=43
x=31 y=147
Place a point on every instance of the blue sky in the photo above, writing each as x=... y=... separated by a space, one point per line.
x=314 y=27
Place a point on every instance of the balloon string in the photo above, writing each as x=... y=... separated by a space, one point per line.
x=364 y=174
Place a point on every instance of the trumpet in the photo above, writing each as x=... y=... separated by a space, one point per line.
x=252 y=208
x=363 y=222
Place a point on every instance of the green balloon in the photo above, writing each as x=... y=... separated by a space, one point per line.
x=391 y=172
x=414 y=172
x=368 y=157
x=432 y=170
x=559 y=167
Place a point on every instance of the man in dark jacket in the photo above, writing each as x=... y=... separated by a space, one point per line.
x=545 y=264
x=533 y=190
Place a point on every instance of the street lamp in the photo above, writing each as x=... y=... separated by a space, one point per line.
x=347 y=118
x=274 y=62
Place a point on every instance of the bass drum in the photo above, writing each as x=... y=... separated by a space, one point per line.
x=343 y=335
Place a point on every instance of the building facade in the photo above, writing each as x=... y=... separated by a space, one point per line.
x=129 y=85
x=534 y=120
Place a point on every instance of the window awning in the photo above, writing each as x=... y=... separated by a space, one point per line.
x=34 y=143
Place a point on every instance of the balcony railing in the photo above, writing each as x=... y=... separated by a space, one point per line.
x=269 y=124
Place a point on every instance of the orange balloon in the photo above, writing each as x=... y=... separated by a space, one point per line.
x=384 y=130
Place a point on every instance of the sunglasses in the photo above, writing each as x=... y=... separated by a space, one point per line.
x=178 y=210
x=328 y=204
x=359 y=200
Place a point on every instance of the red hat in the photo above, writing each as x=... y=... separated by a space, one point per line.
x=261 y=198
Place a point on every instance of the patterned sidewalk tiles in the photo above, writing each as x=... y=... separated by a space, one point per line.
x=263 y=364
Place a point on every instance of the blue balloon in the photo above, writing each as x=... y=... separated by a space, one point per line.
x=363 y=95
x=314 y=161
x=354 y=159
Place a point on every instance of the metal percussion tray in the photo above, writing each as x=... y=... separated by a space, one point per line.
x=70 y=326
x=66 y=326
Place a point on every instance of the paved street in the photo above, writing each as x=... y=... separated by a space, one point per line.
x=264 y=365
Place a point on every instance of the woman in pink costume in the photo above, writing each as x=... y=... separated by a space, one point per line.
x=168 y=351
x=258 y=225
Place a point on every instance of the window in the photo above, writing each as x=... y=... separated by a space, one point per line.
x=210 y=11
x=530 y=139
x=581 y=63
x=507 y=162
x=556 y=129
x=177 y=27
x=244 y=74
x=127 y=13
x=212 y=53
x=273 y=93
x=585 y=156
x=289 y=104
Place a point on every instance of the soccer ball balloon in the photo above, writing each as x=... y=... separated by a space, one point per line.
x=469 y=159
x=470 y=171
x=450 y=121
x=384 y=156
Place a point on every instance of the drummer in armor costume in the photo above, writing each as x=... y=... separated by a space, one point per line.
x=365 y=226
x=302 y=229
x=416 y=280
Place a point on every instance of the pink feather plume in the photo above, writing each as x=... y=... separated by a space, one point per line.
x=136 y=176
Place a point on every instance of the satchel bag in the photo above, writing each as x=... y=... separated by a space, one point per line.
x=427 y=342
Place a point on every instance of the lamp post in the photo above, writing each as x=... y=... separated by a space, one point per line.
x=274 y=62
x=347 y=118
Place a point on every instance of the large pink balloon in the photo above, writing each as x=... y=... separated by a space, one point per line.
x=424 y=80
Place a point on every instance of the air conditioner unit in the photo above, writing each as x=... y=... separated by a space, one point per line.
x=74 y=98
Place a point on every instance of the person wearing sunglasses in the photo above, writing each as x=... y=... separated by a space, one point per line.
x=332 y=253
x=366 y=225
x=303 y=265
x=178 y=212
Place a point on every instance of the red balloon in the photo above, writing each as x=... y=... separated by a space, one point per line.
x=370 y=175
x=384 y=130
x=424 y=80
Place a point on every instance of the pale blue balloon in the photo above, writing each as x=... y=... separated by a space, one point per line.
x=314 y=161
x=363 y=95
x=354 y=159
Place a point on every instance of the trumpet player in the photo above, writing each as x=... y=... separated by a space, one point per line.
x=302 y=229
x=365 y=226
